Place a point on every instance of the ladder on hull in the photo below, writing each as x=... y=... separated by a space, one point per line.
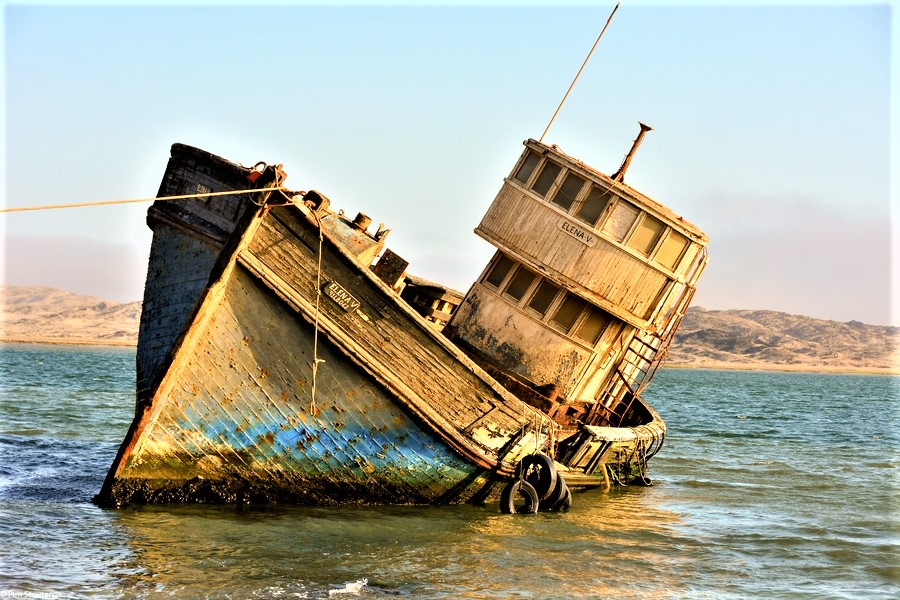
x=645 y=352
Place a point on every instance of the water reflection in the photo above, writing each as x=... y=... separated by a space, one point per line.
x=620 y=544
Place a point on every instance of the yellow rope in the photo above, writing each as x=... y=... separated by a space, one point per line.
x=135 y=200
x=313 y=409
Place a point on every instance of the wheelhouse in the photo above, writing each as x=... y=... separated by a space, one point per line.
x=584 y=265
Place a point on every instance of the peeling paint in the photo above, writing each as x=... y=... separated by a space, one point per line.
x=230 y=409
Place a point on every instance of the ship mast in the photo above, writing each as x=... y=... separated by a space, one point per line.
x=578 y=74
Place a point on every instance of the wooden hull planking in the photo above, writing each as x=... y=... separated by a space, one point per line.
x=234 y=417
x=275 y=365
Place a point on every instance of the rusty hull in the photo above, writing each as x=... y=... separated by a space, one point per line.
x=394 y=413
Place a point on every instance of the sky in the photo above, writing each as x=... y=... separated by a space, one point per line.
x=772 y=128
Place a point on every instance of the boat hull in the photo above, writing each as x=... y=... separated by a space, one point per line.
x=241 y=414
x=602 y=456
x=276 y=363
x=394 y=414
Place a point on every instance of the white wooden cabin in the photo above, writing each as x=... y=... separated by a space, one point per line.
x=585 y=265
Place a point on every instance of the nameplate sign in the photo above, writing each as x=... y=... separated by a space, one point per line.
x=344 y=299
x=582 y=235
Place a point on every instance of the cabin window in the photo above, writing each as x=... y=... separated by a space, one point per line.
x=671 y=250
x=593 y=325
x=593 y=205
x=568 y=191
x=527 y=167
x=519 y=283
x=621 y=220
x=568 y=311
x=546 y=178
x=575 y=316
x=543 y=297
x=646 y=235
x=501 y=269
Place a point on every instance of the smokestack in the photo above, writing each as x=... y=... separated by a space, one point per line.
x=620 y=174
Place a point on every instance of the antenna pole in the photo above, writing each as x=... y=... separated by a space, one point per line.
x=587 y=58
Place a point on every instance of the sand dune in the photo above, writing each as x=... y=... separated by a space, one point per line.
x=764 y=339
x=48 y=315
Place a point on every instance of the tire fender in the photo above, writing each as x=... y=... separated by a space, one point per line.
x=508 y=496
x=538 y=470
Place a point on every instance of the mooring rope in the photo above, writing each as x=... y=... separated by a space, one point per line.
x=136 y=200
x=551 y=450
x=313 y=409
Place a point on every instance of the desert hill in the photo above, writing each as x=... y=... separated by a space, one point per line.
x=759 y=339
x=737 y=339
x=44 y=314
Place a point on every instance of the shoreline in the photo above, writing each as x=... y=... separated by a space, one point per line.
x=711 y=366
x=780 y=368
x=68 y=341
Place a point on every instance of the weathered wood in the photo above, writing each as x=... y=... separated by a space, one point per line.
x=239 y=408
x=188 y=239
x=386 y=329
x=236 y=406
x=620 y=264
x=611 y=275
x=275 y=365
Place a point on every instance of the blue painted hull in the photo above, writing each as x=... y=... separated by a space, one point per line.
x=394 y=414
x=253 y=424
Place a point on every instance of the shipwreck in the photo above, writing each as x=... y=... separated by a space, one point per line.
x=285 y=353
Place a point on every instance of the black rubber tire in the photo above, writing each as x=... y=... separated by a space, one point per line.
x=540 y=472
x=565 y=503
x=558 y=493
x=519 y=487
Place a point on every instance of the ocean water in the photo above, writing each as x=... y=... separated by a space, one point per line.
x=770 y=485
